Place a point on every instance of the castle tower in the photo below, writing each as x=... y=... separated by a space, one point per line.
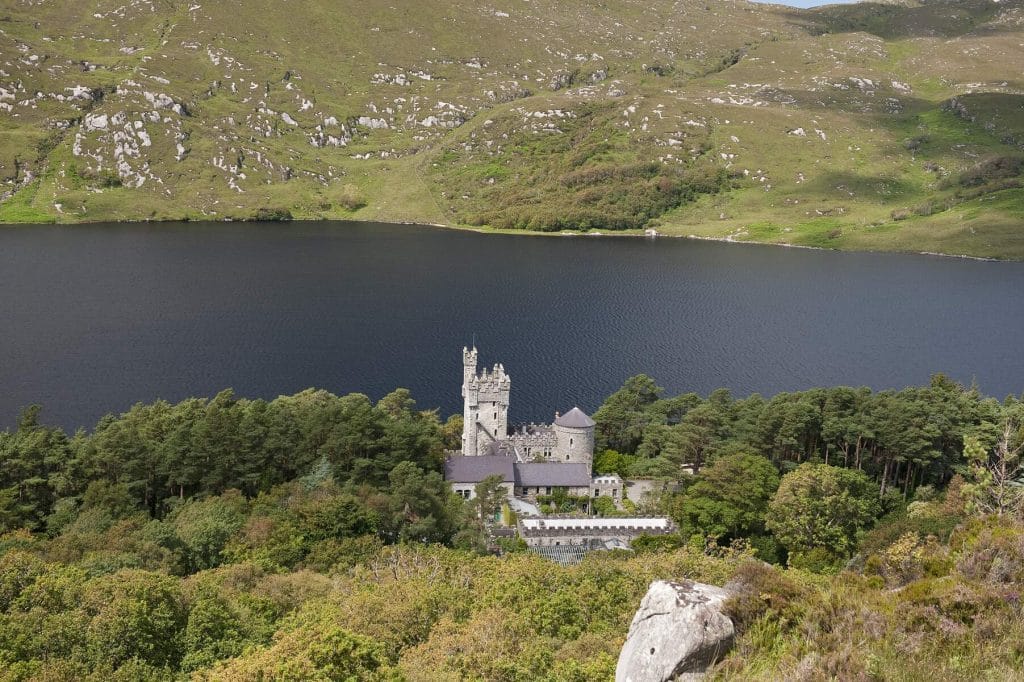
x=574 y=434
x=485 y=399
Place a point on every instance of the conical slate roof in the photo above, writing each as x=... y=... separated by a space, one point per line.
x=575 y=419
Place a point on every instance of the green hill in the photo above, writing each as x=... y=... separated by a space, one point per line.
x=868 y=126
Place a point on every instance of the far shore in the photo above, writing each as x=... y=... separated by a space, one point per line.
x=651 y=234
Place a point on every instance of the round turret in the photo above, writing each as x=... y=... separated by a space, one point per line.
x=574 y=434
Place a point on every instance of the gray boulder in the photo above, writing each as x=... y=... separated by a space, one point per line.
x=676 y=634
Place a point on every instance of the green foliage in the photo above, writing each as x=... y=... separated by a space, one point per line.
x=18 y=570
x=272 y=215
x=28 y=456
x=819 y=511
x=991 y=550
x=922 y=522
x=604 y=506
x=624 y=415
x=213 y=632
x=587 y=176
x=612 y=462
x=312 y=646
x=205 y=527
x=561 y=502
x=134 y=615
x=326 y=564
x=996 y=479
x=762 y=591
x=730 y=497
x=992 y=169
x=657 y=543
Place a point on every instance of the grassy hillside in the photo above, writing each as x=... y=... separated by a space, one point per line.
x=889 y=126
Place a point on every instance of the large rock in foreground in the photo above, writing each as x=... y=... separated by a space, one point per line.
x=677 y=633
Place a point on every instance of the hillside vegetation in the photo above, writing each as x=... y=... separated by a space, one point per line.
x=312 y=537
x=888 y=126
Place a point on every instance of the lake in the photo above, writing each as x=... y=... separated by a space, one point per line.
x=97 y=317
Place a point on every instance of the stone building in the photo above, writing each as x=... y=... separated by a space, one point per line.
x=538 y=459
x=485 y=422
x=465 y=472
x=608 y=485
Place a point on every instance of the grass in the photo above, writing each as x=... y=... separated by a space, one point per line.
x=761 y=99
x=21 y=208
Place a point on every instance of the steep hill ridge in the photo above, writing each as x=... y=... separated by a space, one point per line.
x=890 y=126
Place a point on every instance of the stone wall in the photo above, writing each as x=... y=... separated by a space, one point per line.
x=588 y=534
x=574 y=444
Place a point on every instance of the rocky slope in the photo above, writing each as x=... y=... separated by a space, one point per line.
x=892 y=126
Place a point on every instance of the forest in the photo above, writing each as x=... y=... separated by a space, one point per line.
x=866 y=534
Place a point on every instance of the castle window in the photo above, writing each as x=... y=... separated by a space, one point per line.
x=495 y=416
x=570 y=441
x=547 y=491
x=567 y=458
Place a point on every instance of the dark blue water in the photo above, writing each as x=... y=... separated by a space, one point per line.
x=96 y=317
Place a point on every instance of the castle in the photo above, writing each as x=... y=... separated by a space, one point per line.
x=537 y=459
x=485 y=422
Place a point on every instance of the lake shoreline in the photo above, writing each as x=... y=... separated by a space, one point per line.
x=625 y=234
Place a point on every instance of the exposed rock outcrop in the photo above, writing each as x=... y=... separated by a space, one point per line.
x=678 y=631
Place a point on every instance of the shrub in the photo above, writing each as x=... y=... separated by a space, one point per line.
x=272 y=215
x=351 y=198
x=18 y=570
x=922 y=519
x=991 y=550
x=761 y=590
x=909 y=559
x=994 y=168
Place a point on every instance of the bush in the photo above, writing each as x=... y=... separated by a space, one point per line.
x=994 y=168
x=990 y=550
x=919 y=520
x=761 y=590
x=351 y=198
x=18 y=570
x=909 y=559
x=272 y=215
x=336 y=554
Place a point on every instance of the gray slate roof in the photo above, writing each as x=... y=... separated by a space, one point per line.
x=552 y=473
x=500 y=447
x=462 y=469
x=575 y=419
